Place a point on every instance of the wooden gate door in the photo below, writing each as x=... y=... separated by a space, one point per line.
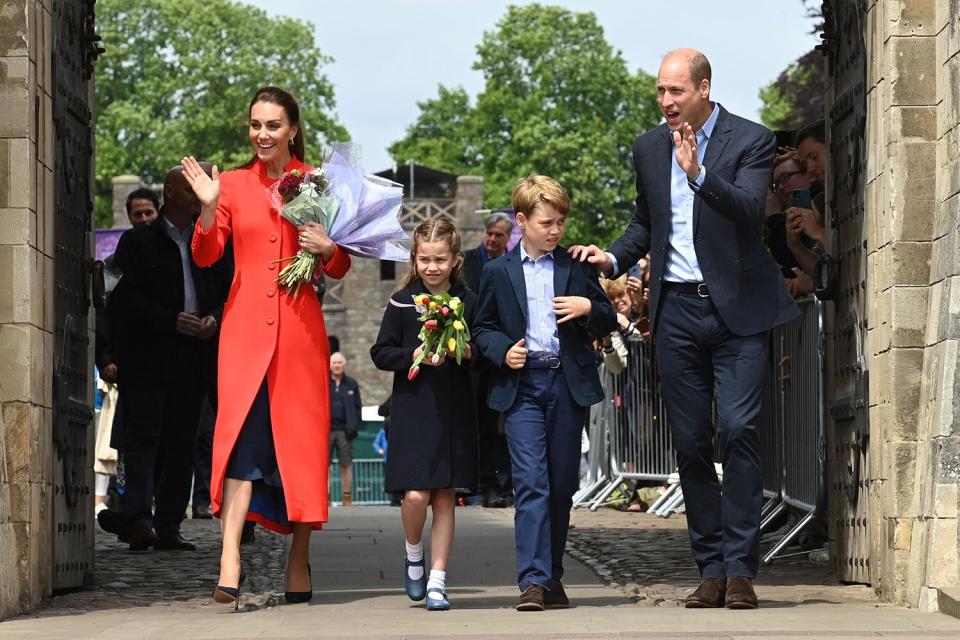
x=74 y=51
x=846 y=365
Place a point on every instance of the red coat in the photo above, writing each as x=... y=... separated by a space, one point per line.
x=266 y=332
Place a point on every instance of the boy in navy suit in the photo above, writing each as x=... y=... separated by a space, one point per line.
x=538 y=309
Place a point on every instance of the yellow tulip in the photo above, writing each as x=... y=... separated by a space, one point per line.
x=454 y=303
x=458 y=325
x=452 y=345
x=433 y=306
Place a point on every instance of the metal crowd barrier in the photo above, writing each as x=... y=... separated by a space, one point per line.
x=367 y=482
x=630 y=435
x=637 y=443
x=803 y=419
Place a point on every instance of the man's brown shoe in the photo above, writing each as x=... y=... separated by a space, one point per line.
x=142 y=538
x=554 y=597
x=740 y=593
x=171 y=540
x=531 y=599
x=709 y=595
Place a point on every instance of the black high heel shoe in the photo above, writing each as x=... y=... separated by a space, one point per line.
x=225 y=595
x=299 y=597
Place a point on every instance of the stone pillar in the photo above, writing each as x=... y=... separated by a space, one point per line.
x=26 y=304
x=913 y=200
x=469 y=199
x=123 y=186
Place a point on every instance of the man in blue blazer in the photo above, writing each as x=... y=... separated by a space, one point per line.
x=537 y=312
x=702 y=179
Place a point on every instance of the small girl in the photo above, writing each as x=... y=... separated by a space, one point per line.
x=433 y=428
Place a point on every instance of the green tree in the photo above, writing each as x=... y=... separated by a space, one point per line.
x=177 y=77
x=557 y=100
x=796 y=96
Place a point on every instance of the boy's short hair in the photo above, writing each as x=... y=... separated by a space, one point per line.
x=535 y=190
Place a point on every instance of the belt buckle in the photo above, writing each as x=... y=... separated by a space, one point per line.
x=553 y=362
x=702 y=290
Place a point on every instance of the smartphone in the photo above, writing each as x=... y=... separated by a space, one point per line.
x=802 y=199
x=635 y=271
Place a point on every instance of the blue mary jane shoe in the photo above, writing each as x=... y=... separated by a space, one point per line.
x=437 y=600
x=416 y=589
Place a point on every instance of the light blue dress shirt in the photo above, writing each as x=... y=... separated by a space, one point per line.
x=182 y=238
x=681 y=259
x=542 y=338
x=681 y=262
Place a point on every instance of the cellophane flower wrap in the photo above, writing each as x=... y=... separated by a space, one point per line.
x=359 y=212
x=444 y=329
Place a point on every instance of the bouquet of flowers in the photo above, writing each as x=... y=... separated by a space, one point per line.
x=359 y=212
x=443 y=328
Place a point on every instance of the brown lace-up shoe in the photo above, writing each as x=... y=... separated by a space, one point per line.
x=740 y=593
x=709 y=595
x=554 y=597
x=531 y=599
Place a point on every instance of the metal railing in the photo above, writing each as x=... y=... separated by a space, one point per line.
x=637 y=443
x=630 y=434
x=367 y=482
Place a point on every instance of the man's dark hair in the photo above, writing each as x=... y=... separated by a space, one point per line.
x=815 y=130
x=143 y=194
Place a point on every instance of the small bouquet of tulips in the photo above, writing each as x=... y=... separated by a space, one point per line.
x=443 y=331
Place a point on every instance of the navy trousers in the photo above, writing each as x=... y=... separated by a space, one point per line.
x=700 y=362
x=543 y=435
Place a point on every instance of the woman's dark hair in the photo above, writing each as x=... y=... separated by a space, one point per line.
x=815 y=130
x=277 y=96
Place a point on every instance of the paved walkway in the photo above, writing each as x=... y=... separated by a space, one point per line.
x=357 y=566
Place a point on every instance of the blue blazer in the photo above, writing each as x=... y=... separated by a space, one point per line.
x=502 y=320
x=745 y=283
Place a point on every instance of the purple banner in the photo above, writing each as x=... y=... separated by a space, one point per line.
x=107 y=240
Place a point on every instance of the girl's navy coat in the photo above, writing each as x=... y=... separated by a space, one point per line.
x=433 y=420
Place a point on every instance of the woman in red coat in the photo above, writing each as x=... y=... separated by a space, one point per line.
x=271 y=443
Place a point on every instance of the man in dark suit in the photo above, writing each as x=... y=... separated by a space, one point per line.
x=494 y=484
x=715 y=292
x=167 y=312
x=496 y=234
x=345 y=420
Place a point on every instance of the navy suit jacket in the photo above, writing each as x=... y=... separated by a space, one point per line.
x=745 y=284
x=502 y=320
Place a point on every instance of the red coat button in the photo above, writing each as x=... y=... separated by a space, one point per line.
x=271 y=292
x=273 y=237
x=272 y=266
x=270 y=320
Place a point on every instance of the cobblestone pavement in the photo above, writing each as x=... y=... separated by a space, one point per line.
x=125 y=579
x=649 y=558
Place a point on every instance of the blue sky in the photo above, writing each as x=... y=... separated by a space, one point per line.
x=404 y=48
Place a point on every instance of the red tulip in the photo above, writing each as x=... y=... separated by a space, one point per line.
x=445 y=311
x=430 y=324
x=413 y=373
x=425 y=300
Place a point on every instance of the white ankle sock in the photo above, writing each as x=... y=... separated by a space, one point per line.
x=414 y=554
x=437 y=580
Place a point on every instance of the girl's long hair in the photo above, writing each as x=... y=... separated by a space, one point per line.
x=435 y=230
x=275 y=95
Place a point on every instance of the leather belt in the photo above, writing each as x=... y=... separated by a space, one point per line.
x=542 y=362
x=689 y=288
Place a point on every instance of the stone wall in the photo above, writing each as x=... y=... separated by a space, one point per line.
x=26 y=303
x=364 y=296
x=914 y=319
